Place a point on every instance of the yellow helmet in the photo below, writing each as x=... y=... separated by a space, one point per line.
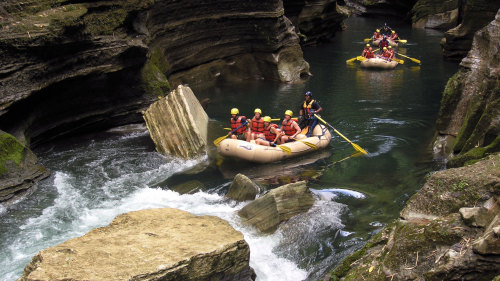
x=257 y=110
x=393 y=31
x=267 y=118
x=378 y=30
x=390 y=47
x=384 y=48
x=367 y=45
x=234 y=111
x=289 y=112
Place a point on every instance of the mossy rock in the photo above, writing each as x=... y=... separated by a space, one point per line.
x=474 y=155
x=153 y=76
x=11 y=152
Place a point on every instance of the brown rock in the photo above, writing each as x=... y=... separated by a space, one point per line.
x=155 y=244
x=242 y=189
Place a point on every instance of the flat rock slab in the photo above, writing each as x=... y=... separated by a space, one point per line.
x=154 y=244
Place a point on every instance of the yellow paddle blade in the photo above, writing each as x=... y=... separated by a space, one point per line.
x=285 y=148
x=412 y=59
x=404 y=41
x=351 y=60
x=398 y=60
x=311 y=145
x=358 y=148
x=415 y=60
x=366 y=40
x=219 y=139
x=360 y=58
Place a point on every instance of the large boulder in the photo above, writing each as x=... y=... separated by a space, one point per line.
x=178 y=124
x=278 y=205
x=20 y=171
x=242 y=189
x=154 y=244
x=470 y=106
x=436 y=243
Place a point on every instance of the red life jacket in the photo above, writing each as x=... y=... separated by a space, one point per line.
x=370 y=55
x=237 y=123
x=307 y=108
x=287 y=128
x=267 y=132
x=257 y=125
x=386 y=54
x=383 y=43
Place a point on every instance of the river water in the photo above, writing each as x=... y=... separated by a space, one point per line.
x=391 y=114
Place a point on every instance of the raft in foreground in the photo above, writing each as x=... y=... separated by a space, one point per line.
x=253 y=152
x=378 y=63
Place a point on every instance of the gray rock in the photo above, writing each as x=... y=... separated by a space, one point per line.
x=242 y=189
x=278 y=205
x=476 y=216
x=489 y=242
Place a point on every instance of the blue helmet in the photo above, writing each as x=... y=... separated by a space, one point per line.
x=308 y=93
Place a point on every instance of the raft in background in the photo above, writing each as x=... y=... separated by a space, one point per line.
x=253 y=152
x=391 y=42
x=378 y=63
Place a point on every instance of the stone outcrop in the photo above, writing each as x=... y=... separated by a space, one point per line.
x=442 y=15
x=473 y=15
x=432 y=240
x=155 y=244
x=178 y=124
x=470 y=106
x=242 y=189
x=19 y=170
x=278 y=205
x=316 y=21
x=382 y=8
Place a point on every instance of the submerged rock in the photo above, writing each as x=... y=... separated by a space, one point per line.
x=242 y=189
x=278 y=205
x=155 y=244
x=178 y=124
x=20 y=171
x=432 y=241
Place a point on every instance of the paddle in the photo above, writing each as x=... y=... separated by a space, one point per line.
x=351 y=59
x=219 y=139
x=311 y=145
x=402 y=40
x=412 y=59
x=398 y=60
x=360 y=58
x=366 y=40
x=357 y=147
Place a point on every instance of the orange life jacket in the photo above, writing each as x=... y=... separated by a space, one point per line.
x=235 y=123
x=267 y=132
x=287 y=128
x=257 y=125
x=370 y=55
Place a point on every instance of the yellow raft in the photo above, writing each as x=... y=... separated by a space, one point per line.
x=253 y=152
x=378 y=63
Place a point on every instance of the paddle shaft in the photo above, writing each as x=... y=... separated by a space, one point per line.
x=357 y=147
x=413 y=59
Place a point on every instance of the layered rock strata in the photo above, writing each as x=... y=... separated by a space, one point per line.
x=178 y=124
x=382 y=8
x=470 y=106
x=278 y=205
x=442 y=15
x=155 y=244
x=19 y=170
x=449 y=230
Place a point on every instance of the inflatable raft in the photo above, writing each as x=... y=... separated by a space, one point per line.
x=253 y=152
x=378 y=63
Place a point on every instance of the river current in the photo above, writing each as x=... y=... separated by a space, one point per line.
x=391 y=114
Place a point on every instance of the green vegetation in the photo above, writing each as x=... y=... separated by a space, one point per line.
x=104 y=23
x=11 y=150
x=451 y=97
x=154 y=80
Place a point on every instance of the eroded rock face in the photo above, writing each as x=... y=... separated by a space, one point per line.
x=470 y=107
x=473 y=15
x=441 y=15
x=385 y=8
x=278 y=205
x=20 y=171
x=155 y=244
x=436 y=243
x=178 y=124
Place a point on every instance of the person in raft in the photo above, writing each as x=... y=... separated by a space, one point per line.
x=369 y=54
x=377 y=35
x=256 y=128
x=383 y=43
x=289 y=128
x=394 y=36
x=307 y=111
x=365 y=50
x=271 y=133
x=386 y=54
x=391 y=51
x=238 y=125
